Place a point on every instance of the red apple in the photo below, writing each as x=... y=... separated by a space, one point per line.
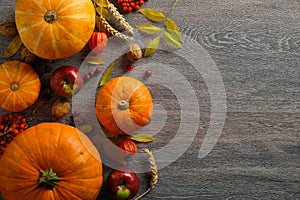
x=123 y=184
x=66 y=81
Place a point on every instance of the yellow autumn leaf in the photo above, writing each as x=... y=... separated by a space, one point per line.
x=148 y=28
x=152 y=14
x=94 y=60
x=103 y=12
x=107 y=75
x=13 y=47
x=171 y=40
x=142 y=137
x=102 y=3
x=152 y=46
x=173 y=28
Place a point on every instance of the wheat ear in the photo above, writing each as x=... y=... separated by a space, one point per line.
x=121 y=20
x=154 y=173
x=113 y=31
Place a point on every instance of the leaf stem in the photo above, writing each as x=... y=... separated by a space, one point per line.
x=172 y=8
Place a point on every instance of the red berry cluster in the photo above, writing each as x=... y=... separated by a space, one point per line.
x=131 y=5
x=10 y=126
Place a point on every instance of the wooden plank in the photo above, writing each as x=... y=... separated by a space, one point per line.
x=255 y=46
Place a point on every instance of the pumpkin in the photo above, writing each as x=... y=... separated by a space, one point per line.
x=51 y=161
x=124 y=105
x=53 y=29
x=19 y=86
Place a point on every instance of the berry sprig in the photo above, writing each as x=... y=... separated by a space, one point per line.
x=131 y=5
x=92 y=74
x=11 y=125
x=76 y=118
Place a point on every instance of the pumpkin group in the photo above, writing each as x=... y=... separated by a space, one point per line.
x=124 y=105
x=55 y=29
x=51 y=161
x=19 y=86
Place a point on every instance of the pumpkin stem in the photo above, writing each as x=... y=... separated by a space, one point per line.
x=123 y=105
x=50 y=16
x=14 y=87
x=48 y=179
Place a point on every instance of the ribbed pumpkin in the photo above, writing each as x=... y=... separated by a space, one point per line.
x=53 y=29
x=124 y=105
x=19 y=86
x=51 y=161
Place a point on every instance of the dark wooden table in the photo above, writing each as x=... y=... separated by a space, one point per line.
x=250 y=95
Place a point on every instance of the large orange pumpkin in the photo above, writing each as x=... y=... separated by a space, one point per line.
x=51 y=161
x=19 y=86
x=124 y=105
x=53 y=29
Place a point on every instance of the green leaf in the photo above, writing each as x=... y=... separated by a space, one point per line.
x=103 y=12
x=173 y=28
x=142 y=137
x=152 y=46
x=148 y=28
x=152 y=14
x=171 y=40
x=107 y=75
x=13 y=47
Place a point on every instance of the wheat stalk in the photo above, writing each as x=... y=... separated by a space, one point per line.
x=112 y=30
x=154 y=173
x=121 y=20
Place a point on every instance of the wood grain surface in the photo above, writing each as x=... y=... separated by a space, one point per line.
x=255 y=46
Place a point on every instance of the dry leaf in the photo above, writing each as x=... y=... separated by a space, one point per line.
x=148 y=28
x=152 y=14
x=102 y=3
x=173 y=28
x=142 y=137
x=152 y=46
x=107 y=75
x=13 y=47
x=171 y=40
x=94 y=60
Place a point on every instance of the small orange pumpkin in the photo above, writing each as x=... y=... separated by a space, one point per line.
x=55 y=29
x=124 y=105
x=19 y=86
x=51 y=161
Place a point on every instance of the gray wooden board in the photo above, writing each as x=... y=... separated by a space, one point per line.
x=256 y=48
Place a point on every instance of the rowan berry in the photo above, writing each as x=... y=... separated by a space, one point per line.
x=92 y=74
x=148 y=73
x=98 y=70
x=129 y=67
x=132 y=4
